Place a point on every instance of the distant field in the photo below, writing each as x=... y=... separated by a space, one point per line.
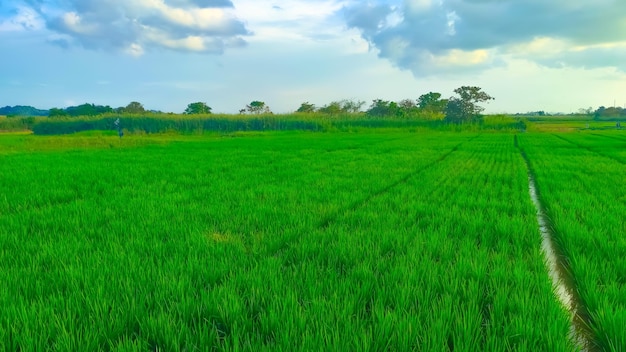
x=381 y=239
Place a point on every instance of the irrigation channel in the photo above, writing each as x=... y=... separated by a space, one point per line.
x=562 y=281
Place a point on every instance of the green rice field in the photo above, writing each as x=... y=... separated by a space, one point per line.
x=371 y=240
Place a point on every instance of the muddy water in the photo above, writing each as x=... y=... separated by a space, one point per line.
x=563 y=284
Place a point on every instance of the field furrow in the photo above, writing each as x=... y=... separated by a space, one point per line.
x=584 y=197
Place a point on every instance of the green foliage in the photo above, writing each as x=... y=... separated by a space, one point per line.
x=88 y=110
x=164 y=123
x=408 y=106
x=465 y=108
x=380 y=108
x=613 y=112
x=56 y=112
x=459 y=111
x=197 y=108
x=432 y=102
x=306 y=107
x=428 y=106
x=80 y=110
x=22 y=111
x=192 y=124
x=345 y=106
x=503 y=122
x=406 y=109
x=258 y=107
x=133 y=107
x=15 y=124
x=351 y=106
x=333 y=108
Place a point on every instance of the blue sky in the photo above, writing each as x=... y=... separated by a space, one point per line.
x=557 y=55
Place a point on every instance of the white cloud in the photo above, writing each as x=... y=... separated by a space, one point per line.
x=136 y=26
x=441 y=36
x=542 y=46
x=134 y=49
x=452 y=18
x=456 y=57
x=24 y=19
x=74 y=22
x=288 y=20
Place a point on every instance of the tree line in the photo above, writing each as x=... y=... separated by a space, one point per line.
x=95 y=110
x=457 y=109
x=610 y=112
x=464 y=107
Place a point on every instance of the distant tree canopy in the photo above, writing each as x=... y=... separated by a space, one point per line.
x=427 y=104
x=88 y=110
x=258 y=107
x=56 y=112
x=610 y=112
x=380 y=108
x=22 y=111
x=345 y=106
x=133 y=107
x=198 y=108
x=81 y=110
x=306 y=107
x=465 y=108
x=408 y=105
x=432 y=102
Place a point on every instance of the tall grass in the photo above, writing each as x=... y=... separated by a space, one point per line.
x=188 y=124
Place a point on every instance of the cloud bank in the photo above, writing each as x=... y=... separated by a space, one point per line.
x=136 y=26
x=445 y=36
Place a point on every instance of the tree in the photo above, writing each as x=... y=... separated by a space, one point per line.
x=133 y=108
x=258 y=107
x=380 y=108
x=407 y=105
x=464 y=108
x=56 y=112
x=332 y=109
x=306 y=107
x=432 y=102
x=88 y=110
x=343 y=107
x=23 y=111
x=351 y=106
x=198 y=108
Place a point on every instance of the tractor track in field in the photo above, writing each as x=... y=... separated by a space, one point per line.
x=358 y=204
x=610 y=137
x=326 y=221
x=563 y=282
x=590 y=149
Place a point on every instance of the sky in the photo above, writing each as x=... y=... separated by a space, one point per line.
x=530 y=55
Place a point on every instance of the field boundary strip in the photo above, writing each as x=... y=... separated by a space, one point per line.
x=563 y=282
